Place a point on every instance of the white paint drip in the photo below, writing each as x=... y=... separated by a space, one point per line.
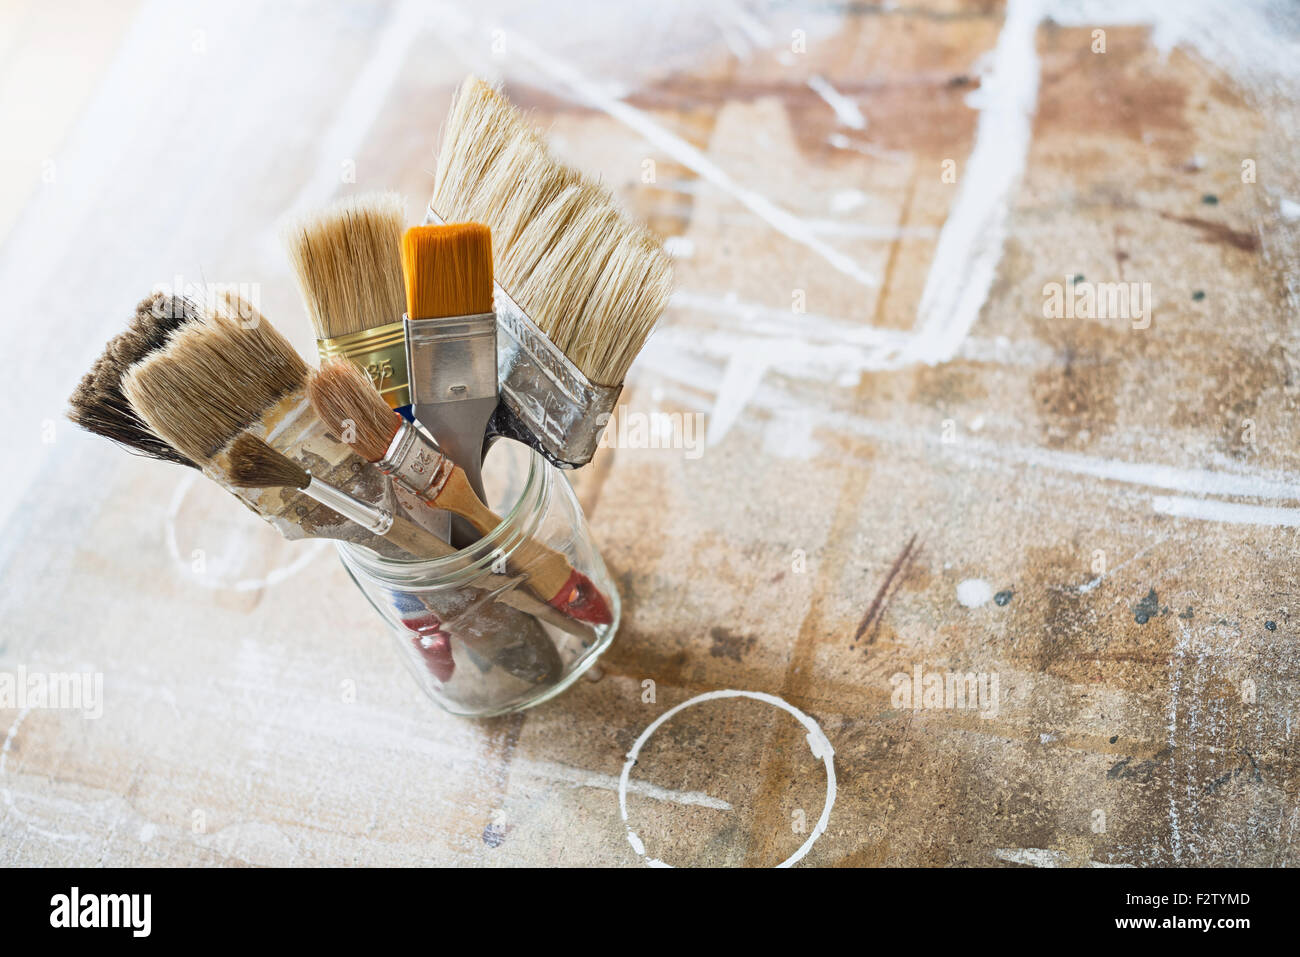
x=846 y=111
x=970 y=245
x=1231 y=513
x=974 y=592
x=817 y=742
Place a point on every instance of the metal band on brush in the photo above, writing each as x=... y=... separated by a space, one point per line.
x=414 y=464
x=381 y=351
x=546 y=392
x=546 y=401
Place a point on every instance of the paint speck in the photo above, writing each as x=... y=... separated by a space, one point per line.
x=847 y=200
x=1114 y=738
x=493 y=835
x=1198 y=295
x=1289 y=208
x=1147 y=608
x=1003 y=597
x=1077 y=277
x=977 y=423
x=974 y=592
x=147 y=833
x=1209 y=199
x=1186 y=615
x=679 y=247
x=1271 y=625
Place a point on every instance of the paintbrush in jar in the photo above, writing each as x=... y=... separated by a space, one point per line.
x=346 y=400
x=347 y=258
x=230 y=372
x=251 y=463
x=98 y=404
x=579 y=284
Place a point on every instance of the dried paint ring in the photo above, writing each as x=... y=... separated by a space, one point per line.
x=817 y=743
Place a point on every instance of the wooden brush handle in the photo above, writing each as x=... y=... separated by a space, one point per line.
x=547 y=569
x=419 y=542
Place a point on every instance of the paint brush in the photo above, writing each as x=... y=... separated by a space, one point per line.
x=230 y=371
x=254 y=464
x=98 y=404
x=451 y=340
x=346 y=400
x=347 y=258
x=586 y=284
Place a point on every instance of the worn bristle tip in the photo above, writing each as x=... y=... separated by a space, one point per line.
x=254 y=464
x=350 y=406
x=348 y=263
x=214 y=379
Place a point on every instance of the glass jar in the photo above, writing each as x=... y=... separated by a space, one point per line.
x=472 y=627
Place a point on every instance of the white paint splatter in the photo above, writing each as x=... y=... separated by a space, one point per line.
x=974 y=592
x=846 y=111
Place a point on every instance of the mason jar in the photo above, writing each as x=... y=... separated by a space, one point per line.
x=473 y=628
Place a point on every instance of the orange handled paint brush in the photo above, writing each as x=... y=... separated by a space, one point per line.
x=347 y=402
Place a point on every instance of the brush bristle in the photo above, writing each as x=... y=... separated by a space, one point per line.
x=593 y=280
x=348 y=263
x=350 y=406
x=213 y=379
x=448 y=270
x=254 y=464
x=98 y=404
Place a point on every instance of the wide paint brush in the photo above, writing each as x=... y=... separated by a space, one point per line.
x=346 y=400
x=579 y=284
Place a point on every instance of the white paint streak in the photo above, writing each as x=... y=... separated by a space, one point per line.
x=970 y=245
x=580 y=778
x=1041 y=857
x=596 y=96
x=1231 y=513
x=846 y=111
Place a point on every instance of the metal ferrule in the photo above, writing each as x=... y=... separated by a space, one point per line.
x=546 y=392
x=373 y=518
x=451 y=359
x=415 y=464
x=546 y=400
x=381 y=351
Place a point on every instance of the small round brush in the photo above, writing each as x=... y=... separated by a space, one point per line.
x=254 y=464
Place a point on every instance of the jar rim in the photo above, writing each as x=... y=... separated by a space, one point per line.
x=517 y=526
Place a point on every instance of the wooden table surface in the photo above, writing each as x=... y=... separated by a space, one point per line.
x=877 y=428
